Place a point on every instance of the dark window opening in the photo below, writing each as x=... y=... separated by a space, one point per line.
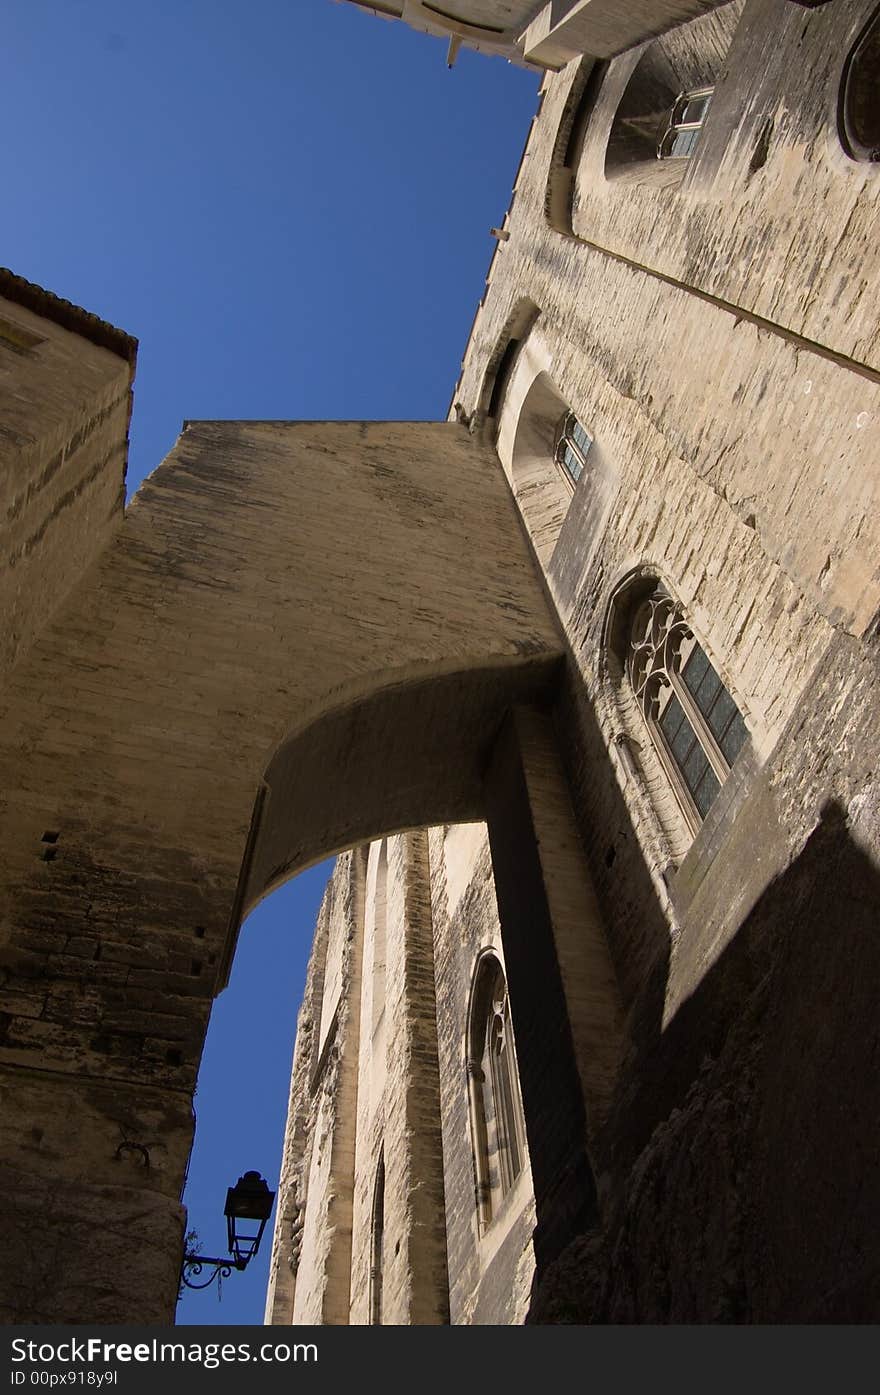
x=859 y=114
x=502 y=377
x=377 y=1244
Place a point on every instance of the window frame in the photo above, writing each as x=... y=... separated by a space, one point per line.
x=668 y=674
x=675 y=126
x=493 y=1080
x=567 y=440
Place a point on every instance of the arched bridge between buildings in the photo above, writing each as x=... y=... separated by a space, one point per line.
x=336 y=616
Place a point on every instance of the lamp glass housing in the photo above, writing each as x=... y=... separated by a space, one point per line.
x=250 y=1200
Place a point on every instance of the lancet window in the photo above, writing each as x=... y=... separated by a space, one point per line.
x=693 y=720
x=495 y=1106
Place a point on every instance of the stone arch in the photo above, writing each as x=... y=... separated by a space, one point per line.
x=275 y=587
x=634 y=103
x=496 y=379
x=568 y=146
x=527 y=445
x=427 y=769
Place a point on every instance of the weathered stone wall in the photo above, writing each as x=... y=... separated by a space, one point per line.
x=337 y=618
x=741 y=223
x=298 y=1137
x=317 y=1184
x=710 y=464
x=745 y=1145
x=429 y=910
x=64 y=408
x=718 y=469
x=490 y=1273
x=373 y=1095
x=221 y=618
x=383 y=921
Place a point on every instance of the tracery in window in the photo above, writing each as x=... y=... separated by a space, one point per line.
x=693 y=720
x=495 y=1106
x=573 y=443
x=685 y=123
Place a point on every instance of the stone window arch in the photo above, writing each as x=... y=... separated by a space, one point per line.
x=568 y=147
x=859 y=100
x=377 y=1244
x=660 y=116
x=502 y=362
x=495 y=1105
x=536 y=439
x=694 y=723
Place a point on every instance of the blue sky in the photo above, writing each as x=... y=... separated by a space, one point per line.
x=288 y=203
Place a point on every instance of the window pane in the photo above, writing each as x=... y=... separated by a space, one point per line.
x=684 y=142
x=695 y=109
x=581 y=437
x=695 y=767
x=672 y=718
x=683 y=740
x=572 y=462
x=700 y=732
x=733 y=739
x=706 y=791
x=722 y=712
x=695 y=668
x=708 y=691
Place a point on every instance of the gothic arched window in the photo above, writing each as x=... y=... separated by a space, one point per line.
x=694 y=722
x=573 y=443
x=495 y=1108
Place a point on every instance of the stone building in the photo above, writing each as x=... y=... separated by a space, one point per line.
x=582 y=685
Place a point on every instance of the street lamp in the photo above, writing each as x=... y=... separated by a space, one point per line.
x=248 y=1208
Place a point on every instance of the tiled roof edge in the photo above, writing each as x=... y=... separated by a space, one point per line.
x=68 y=315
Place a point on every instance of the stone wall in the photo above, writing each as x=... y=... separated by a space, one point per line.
x=137 y=733
x=304 y=637
x=65 y=402
x=490 y=1270
x=429 y=910
x=693 y=359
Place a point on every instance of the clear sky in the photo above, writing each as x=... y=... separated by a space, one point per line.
x=288 y=203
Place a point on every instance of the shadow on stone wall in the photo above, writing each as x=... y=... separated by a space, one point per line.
x=756 y=1198
x=637 y=926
